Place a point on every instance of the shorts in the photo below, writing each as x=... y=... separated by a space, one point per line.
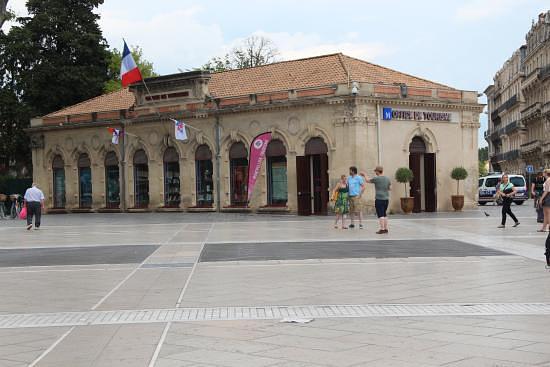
x=546 y=202
x=381 y=207
x=355 y=204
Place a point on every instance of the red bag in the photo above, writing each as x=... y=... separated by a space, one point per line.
x=23 y=213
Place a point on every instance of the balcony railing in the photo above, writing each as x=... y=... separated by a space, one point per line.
x=507 y=156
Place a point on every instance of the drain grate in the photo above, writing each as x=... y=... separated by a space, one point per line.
x=267 y=313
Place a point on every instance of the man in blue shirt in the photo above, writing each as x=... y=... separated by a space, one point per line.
x=356 y=186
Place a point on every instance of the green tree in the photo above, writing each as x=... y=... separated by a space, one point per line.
x=115 y=59
x=53 y=58
x=4 y=13
x=253 y=51
x=483 y=154
x=57 y=55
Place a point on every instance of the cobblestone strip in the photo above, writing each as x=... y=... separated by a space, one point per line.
x=12 y=321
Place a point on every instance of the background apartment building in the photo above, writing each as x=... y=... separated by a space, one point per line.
x=519 y=105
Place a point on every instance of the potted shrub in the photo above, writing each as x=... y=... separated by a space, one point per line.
x=458 y=174
x=404 y=175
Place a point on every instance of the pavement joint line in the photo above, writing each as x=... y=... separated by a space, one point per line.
x=159 y=344
x=240 y=313
x=193 y=269
x=52 y=347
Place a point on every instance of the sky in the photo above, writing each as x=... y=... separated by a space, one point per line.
x=461 y=43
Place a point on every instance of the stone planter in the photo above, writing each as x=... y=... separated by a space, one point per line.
x=407 y=205
x=458 y=202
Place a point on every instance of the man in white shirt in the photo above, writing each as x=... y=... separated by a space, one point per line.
x=34 y=200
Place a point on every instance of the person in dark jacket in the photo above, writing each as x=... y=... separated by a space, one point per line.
x=507 y=191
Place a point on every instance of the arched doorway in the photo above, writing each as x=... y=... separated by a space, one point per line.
x=277 y=186
x=424 y=184
x=58 y=170
x=141 y=179
x=112 y=181
x=203 y=174
x=171 y=178
x=312 y=178
x=84 y=181
x=238 y=165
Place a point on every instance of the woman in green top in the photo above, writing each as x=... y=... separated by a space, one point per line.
x=507 y=191
x=341 y=201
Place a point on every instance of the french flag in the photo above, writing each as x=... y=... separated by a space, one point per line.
x=129 y=72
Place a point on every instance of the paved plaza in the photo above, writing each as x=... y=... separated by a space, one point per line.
x=181 y=289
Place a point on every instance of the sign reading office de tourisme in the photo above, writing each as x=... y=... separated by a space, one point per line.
x=389 y=113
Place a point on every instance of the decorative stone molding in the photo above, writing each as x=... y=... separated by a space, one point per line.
x=426 y=134
x=37 y=141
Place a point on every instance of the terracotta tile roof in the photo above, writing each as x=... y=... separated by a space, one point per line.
x=363 y=71
x=114 y=101
x=285 y=75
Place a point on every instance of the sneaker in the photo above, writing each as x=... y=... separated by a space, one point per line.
x=360 y=226
x=501 y=226
x=36 y=228
x=29 y=226
x=351 y=226
x=380 y=231
x=516 y=224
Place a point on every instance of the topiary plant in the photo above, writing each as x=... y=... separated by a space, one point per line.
x=458 y=174
x=404 y=175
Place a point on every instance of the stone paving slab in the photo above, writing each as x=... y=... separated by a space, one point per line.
x=342 y=250
x=75 y=255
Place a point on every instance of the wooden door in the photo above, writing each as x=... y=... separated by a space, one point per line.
x=416 y=184
x=430 y=182
x=323 y=179
x=303 y=183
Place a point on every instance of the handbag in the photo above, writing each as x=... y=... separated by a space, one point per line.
x=23 y=213
x=334 y=196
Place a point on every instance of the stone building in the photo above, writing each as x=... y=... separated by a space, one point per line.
x=326 y=113
x=519 y=105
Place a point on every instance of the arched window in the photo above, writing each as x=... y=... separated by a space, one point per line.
x=171 y=178
x=316 y=146
x=277 y=186
x=112 y=181
x=58 y=169
x=238 y=165
x=203 y=174
x=141 y=180
x=84 y=181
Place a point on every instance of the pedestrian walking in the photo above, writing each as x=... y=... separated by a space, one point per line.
x=506 y=191
x=382 y=187
x=536 y=192
x=34 y=201
x=544 y=202
x=341 y=201
x=356 y=186
x=547 y=253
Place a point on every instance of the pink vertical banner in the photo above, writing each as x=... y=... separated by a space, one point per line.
x=257 y=155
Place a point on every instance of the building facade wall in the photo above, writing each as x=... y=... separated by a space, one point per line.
x=348 y=126
x=519 y=135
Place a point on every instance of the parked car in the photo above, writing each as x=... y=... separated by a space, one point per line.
x=488 y=188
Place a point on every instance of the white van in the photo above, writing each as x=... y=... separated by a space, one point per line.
x=488 y=188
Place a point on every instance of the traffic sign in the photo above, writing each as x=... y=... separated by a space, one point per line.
x=529 y=168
